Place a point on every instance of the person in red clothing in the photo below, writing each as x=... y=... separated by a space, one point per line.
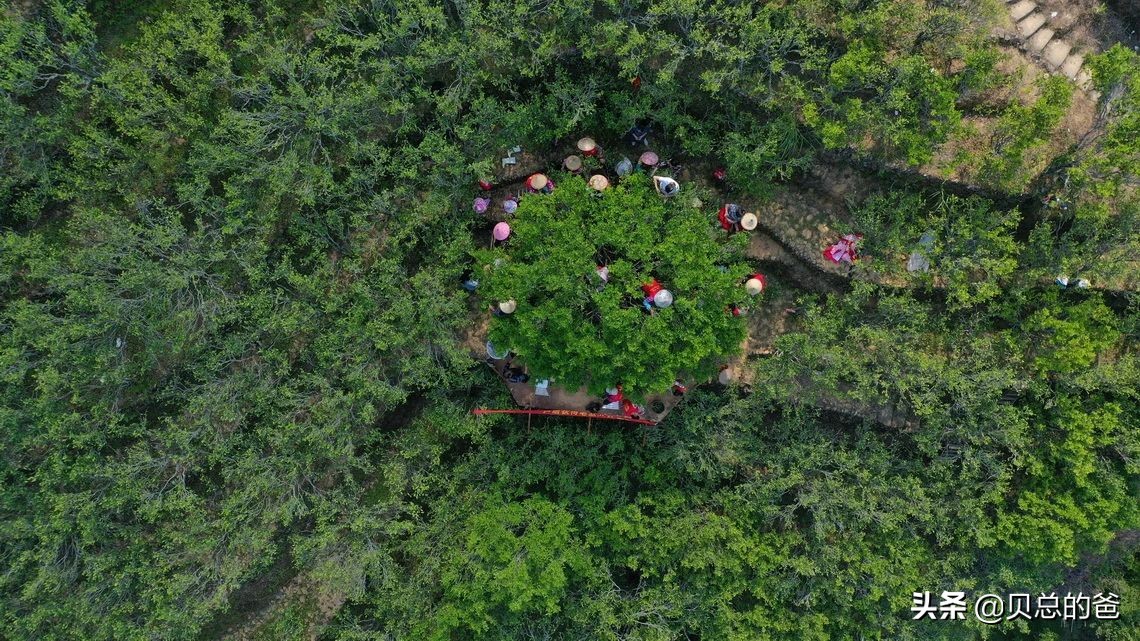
x=656 y=296
x=651 y=288
x=631 y=409
x=755 y=284
x=729 y=217
x=538 y=183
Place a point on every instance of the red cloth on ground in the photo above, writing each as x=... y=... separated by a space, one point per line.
x=843 y=251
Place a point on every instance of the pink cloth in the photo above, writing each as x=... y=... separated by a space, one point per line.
x=843 y=251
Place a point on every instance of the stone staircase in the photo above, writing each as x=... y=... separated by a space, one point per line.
x=1040 y=32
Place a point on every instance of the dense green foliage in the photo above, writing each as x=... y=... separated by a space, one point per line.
x=572 y=329
x=231 y=235
x=971 y=249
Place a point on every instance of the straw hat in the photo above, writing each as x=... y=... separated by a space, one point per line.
x=748 y=221
x=586 y=145
x=754 y=286
x=725 y=377
x=572 y=163
x=537 y=181
x=599 y=182
x=648 y=159
x=508 y=306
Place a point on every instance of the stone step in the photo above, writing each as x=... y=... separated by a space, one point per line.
x=1030 y=25
x=1061 y=22
x=1056 y=53
x=1040 y=39
x=1021 y=9
x=1072 y=65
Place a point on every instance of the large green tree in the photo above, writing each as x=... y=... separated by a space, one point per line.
x=577 y=330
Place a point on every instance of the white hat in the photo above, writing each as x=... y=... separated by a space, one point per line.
x=748 y=221
x=754 y=286
x=508 y=306
x=599 y=182
x=725 y=377
x=663 y=298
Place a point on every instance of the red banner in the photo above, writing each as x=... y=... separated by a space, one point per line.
x=567 y=414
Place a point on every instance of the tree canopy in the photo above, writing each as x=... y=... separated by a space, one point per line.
x=235 y=391
x=578 y=329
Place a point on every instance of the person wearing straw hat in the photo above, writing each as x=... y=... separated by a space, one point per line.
x=666 y=186
x=612 y=400
x=505 y=308
x=755 y=284
x=587 y=146
x=599 y=182
x=749 y=221
x=729 y=217
x=572 y=164
x=539 y=183
x=648 y=160
x=500 y=233
x=656 y=295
